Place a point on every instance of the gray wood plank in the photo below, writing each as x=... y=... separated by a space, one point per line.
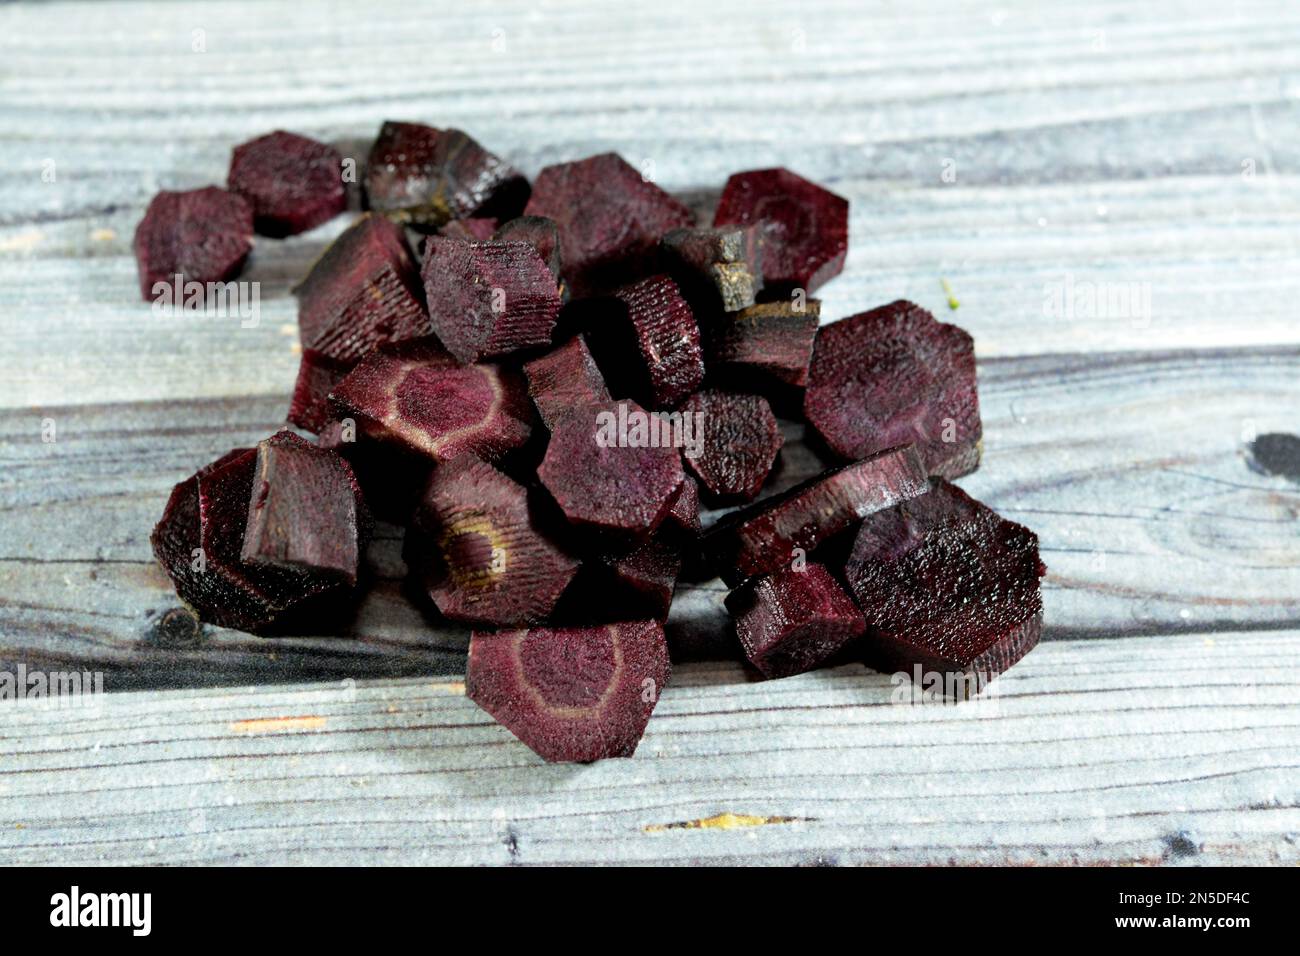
x=1177 y=749
x=1064 y=176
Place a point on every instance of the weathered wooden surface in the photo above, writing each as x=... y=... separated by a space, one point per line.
x=1179 y=749
x=1093 y=143
x=1152 y=149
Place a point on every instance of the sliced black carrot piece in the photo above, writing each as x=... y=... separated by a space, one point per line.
x=948 y=587
x=571 y=694
x=794 y=619
x=896 y=375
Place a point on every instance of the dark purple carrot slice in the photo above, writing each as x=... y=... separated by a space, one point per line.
x=540 y=233
x=294 y=183
x=571 y=694
x=644 y=578
x=488 y=299
x=612 y=468
x=805 y=227
x=225 y=496
x=948 y=587
x=199 y=541
x=177 y=545
x=723 y=261
x=794 y=619
x=768 y=342
x=318 y=374
x=203 y=235
x=265 y=593
x=306 y=511
x=740 y=441
x=684 y=516
x=492 y=566
x=424 y=177
x=772 y=533
x=565 y=378
x=653 y=343
x=417 y=397
x=364 y=291
x=469 y=230
x=610 y=219
x=895 y=375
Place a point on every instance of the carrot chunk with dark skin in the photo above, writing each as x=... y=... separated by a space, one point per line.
x=199 y=541
x=564 y=379
x=540 y=233
x=767 y=342
x=948 y=587
x=364 y=291
x=741 y=440
x=722 y=264
x=417 y=397
x=651 y=343
x=224 y=495
x=489 y=563
x=203 y=235
x=306 y=511
x=176 y=542
x=684 y=516
x=610 y=219
x=771 y=533
x=423 y=177
x=318 y=374
x=895 y=375
x=608 y=481
x=571 y=694
x=293 y=183
x=794 y=619
x=806 y=227
x=488 y=299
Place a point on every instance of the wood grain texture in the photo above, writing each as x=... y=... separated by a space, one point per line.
x=1063 y=173
x=1153 y=151
x=1180 y=749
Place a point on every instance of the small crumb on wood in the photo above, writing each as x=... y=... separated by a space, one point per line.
x=23 y=241
x=953 y=304
x=722 y=821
